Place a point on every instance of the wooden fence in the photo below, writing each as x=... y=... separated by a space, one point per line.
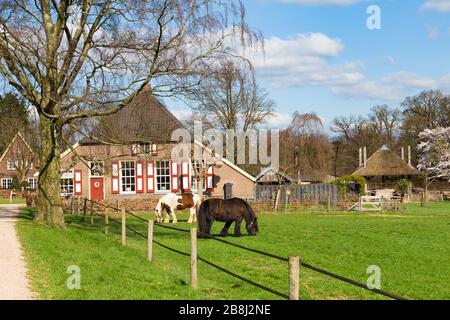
x=310 y=193
x=294 y=263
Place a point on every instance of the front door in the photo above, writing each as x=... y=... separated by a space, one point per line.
x=97 y=189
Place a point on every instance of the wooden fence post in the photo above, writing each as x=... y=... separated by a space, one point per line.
x=72 y=206
x=78 y=206
x=106 y=222
x=294 y=273
x=329 y=202
x=150 y=240
x=92 y=213
x=124 y=228
x=84 y=208
x=194 y=280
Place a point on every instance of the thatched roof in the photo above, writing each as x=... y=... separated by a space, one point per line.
x=145 y=119
x=384 y=162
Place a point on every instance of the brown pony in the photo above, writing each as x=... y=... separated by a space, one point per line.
x=228 y=211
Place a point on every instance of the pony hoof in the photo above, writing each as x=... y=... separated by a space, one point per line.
x=166 y=221
x=189 y=221
x=174 y=221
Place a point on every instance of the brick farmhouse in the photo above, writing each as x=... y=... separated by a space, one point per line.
x=17 y=162
x=127 y=156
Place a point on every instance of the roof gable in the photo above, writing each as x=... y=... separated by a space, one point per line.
x=145 y=119
x=13 y=141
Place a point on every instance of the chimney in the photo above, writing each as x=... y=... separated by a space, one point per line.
x=360 y=157
x=409 y=155
x=365 y=157
x=403 y=153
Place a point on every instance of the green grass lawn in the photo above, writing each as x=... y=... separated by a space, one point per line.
x=14 y=201
x=412 y=248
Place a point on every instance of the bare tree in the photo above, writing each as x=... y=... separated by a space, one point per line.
x=231 y=95
x=305 y=147
x=87 y=58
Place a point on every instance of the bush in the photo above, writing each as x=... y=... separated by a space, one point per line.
x=15 y=183
x=343 y=183
x=402 y=186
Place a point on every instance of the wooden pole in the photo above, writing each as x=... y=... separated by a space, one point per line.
x=84 y=208
x=294 y=274
x=92 y=213
x=329 y=202
x=124 y=228
x=78 y=206
x=194 y=280
x=150 y=240
x=106 y=222
x=72 y=206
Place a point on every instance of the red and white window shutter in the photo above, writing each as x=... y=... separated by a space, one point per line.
x=78 y=182
x=115 y=177
x=186 y=181
x=150 y=177
x=210 y=178
x=139 y=177
x=174 y=177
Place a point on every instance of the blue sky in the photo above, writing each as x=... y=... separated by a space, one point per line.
x=320 y=56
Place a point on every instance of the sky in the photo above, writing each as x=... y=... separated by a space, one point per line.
x=320 y=55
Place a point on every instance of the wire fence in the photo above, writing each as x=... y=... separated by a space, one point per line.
x=263 y=253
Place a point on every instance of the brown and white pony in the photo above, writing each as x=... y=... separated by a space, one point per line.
x=172 y=202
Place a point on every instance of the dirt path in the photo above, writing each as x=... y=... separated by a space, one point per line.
x=13 y=273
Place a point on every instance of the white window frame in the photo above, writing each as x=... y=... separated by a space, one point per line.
x=8 y=185
x=158 y=176
x=121 y=185
x=10 y=165
x=193 y=177
x=69 y=175
x=32 y=183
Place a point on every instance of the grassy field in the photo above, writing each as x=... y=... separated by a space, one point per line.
x=14 y=201
x=412 y=248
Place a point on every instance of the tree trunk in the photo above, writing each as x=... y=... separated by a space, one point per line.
x=49 y=209
x=200 y=188
x=426 y=194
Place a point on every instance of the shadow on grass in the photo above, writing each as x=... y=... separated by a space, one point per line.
x=28 y=214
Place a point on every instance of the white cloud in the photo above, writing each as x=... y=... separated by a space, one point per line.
x=437 y=5
x=406 y=79
x=303 y=60
x=391 y=87
x=309 y=60
x=321 y=2
x=277 y=121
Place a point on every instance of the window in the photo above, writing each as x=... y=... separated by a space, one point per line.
x=128 y=177
x=67 y=183
x=66 y=186
x=10 y=165
x=7 y=183
x=32 y=183
x=195 y=168
x=96 y=169
x=145 y=148
x=163 y=175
